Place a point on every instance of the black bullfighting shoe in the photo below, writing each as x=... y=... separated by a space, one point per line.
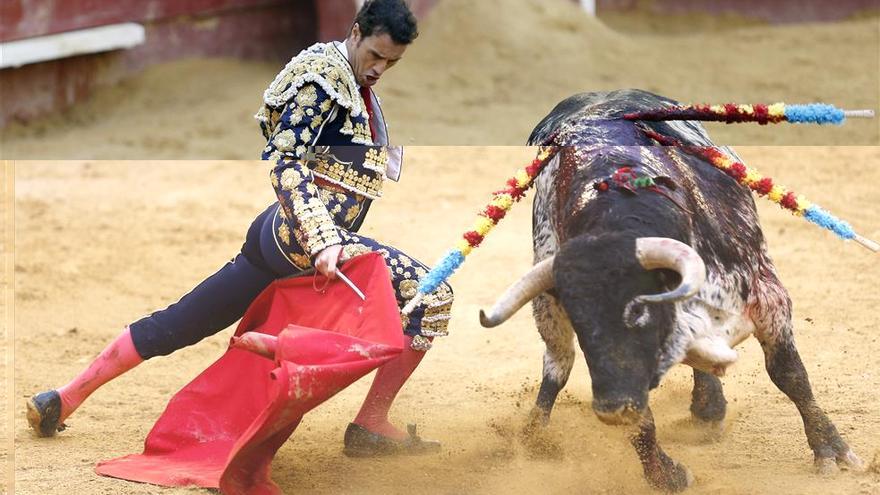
x=361 y=442
x=44 y=413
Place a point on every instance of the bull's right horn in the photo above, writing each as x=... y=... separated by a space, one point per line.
x=533 y=283
x=662 y=252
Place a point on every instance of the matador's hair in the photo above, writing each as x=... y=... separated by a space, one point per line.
x=388 y=16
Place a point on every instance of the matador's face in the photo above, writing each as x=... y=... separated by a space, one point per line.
x=370 y=56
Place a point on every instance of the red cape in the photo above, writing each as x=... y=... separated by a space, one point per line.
x=224 y=427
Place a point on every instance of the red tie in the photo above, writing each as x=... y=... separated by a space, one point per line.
x=368 y=104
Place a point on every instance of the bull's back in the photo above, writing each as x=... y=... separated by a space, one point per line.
x=596 y=118
x=722 y=213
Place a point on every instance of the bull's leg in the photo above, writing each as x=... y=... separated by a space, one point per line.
x=558 y=334
x=787 y=372
x=707 y=399
x=661 y=471
x=774 y=331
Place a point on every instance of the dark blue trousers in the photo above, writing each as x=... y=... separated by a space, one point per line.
x=220 y=300
x=223 y=298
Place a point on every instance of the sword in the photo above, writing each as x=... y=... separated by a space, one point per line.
x=351 y=285
x=346 y=280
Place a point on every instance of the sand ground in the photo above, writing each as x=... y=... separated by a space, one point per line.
x=483 y=73
x=98 y=244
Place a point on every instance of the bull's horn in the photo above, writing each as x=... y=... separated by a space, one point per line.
x=662 y=252
x=536 y=281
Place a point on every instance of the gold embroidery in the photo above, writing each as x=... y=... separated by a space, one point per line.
x=284 y=140
x=290 y=178
x=352 y=213
x=351 y=250
x=351 y=177
x=301 y=261
x=296 y=86
x=420 y=343
x=314 y=229
x=305 y=135
x=438 y=306
x=408 y=289
x=347 y=126
x=376 y=159
x=361 y=132
x=284 y=233
x=296 y=116
x=306 y=96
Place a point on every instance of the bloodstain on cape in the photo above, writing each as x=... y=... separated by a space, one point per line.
x=223 y=428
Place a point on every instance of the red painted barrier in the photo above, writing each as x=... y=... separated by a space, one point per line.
x=27 y=18
x=275 y=31
x=249 y=29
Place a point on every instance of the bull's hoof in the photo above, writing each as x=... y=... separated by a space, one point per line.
x=537 y=440
x=848 y=461
x=825 y=466
x=672 y=477
x=538 y=420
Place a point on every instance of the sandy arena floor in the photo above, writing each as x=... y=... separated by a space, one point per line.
x=99 y=244
x=483 y=73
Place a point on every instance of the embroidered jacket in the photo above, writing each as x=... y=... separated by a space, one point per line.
x=318 y=128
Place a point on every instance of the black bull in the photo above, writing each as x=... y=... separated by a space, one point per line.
x=648 y=277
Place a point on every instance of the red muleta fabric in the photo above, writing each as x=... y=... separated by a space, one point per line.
x=223 y=429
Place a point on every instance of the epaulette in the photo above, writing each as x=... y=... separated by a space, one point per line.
x=324 y=65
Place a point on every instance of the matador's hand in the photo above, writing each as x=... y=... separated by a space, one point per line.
x=327 y=259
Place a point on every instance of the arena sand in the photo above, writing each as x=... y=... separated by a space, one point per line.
x=99 y=244
x=484 y=73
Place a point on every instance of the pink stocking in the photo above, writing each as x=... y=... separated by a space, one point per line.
x=117 y=358
x=388 y=382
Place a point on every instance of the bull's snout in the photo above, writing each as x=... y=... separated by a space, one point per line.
x=618 y=412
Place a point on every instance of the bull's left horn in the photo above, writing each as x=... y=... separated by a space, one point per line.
x=536 y=281
x=662 y=252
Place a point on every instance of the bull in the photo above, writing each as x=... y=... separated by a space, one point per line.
x=676 y=272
